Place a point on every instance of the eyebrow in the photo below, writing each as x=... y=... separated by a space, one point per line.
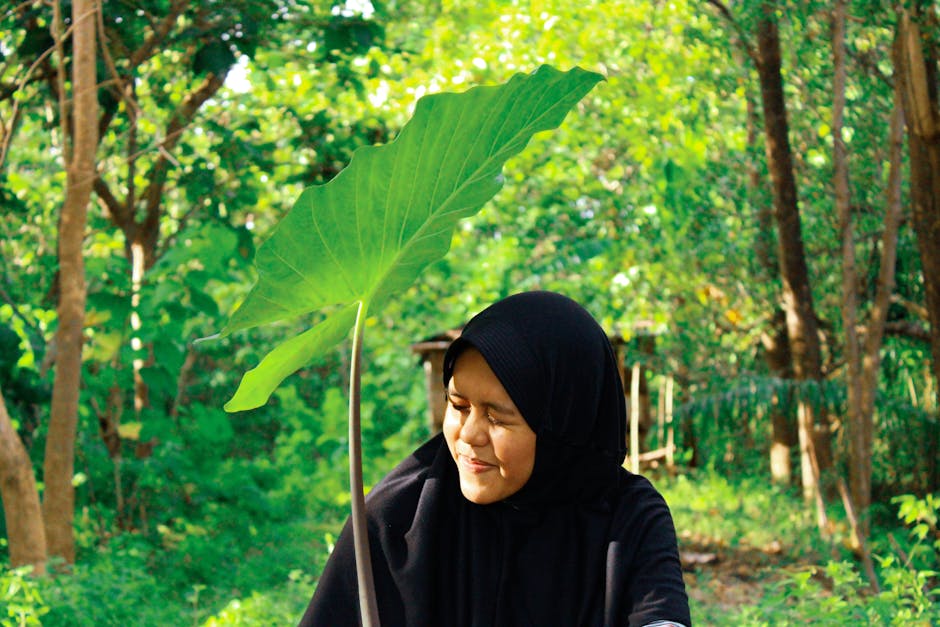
x=499 y=407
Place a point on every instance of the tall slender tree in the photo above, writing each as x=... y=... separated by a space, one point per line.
x=797 y=296
x=863 y=355
x=81 y=118
x=916 y=59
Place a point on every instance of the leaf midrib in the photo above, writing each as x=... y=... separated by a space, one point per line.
x=436 y=214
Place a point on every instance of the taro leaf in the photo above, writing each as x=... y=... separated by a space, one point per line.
x=369 y=232
x=259 y=382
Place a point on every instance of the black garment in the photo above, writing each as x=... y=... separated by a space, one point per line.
x=584 y=542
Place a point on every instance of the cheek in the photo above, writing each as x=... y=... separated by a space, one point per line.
x=450 y=427
x=517 y=452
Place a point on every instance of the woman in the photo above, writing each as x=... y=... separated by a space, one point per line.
x=520 y=513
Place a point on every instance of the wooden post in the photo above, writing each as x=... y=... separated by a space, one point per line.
x=432 y=353
x=670 y=437
x=661 y=416
x=635 y=419
x=433 y=375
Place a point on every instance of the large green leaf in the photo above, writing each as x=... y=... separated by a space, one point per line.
x=369 y=232
x=260 y=382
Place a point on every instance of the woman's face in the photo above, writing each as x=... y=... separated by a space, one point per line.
x=491 y=443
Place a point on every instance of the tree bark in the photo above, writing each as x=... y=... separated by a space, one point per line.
x=863 y=365
x=774 y=340
x=802 y=329
x=777 y=355
x=59 y=499
x=916 y=65
x=859 y=424
x=25 y=534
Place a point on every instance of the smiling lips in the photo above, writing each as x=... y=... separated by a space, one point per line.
x=474 y=465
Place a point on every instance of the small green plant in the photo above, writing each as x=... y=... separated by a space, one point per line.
x=836 y=593
x=21 y=599
x=348 y=246
x=273 y=607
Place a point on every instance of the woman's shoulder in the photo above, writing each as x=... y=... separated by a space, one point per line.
x=636 y=485
x=396 y=496
x=635 y=497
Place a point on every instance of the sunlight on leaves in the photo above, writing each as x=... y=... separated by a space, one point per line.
x=369 y=232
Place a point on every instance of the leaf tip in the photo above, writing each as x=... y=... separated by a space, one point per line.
x=236 y=404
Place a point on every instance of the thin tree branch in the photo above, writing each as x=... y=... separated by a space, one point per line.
x=179 y=121
x=913 y=308
x=8 y=89
x=8 y=134
x=122 y=88
x=149 y=47
x=35 y=333
x=739 y=31
x=889 y=248
x=908 y=329
x=121 y=214
x=59 y=38
x=17 y=8
x=857 y=532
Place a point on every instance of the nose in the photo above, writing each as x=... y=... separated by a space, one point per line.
x=474 y=429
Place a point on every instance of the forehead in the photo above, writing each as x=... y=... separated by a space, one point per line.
x=472 y=375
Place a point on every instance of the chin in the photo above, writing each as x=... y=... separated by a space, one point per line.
x=480 y=497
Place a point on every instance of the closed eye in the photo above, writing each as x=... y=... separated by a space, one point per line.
x=461 y=407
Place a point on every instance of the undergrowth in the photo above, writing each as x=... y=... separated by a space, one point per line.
x=771 y=566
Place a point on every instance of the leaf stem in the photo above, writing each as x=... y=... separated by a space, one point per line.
x=368 y=607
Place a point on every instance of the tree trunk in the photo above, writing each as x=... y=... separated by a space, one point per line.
x=862 y=366
x=774 y=340
x=802 y=328
x=59 y=498
x=141 y=227
x=916 y=63
x=859 y=425
x=777 y=355
x=25 y=535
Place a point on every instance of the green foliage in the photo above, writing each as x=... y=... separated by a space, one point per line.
x=270 y=566
x=21 y=598
x=748 y=518
x=110 y=590
x=370 y=232
x=235 y=540
x=647 y=206
x=744 y=512
x=280 y=606
x=836 y=593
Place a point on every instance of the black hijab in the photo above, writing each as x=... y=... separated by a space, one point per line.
x=560 y=370
x=558 y=552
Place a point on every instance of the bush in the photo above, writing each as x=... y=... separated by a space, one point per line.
x=21 y=599
x=837 y=594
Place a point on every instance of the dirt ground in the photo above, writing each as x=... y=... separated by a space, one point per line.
x=728 y=577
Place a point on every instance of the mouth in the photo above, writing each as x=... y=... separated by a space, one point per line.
x=474 y=465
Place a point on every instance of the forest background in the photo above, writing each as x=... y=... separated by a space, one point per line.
x=751 y=201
